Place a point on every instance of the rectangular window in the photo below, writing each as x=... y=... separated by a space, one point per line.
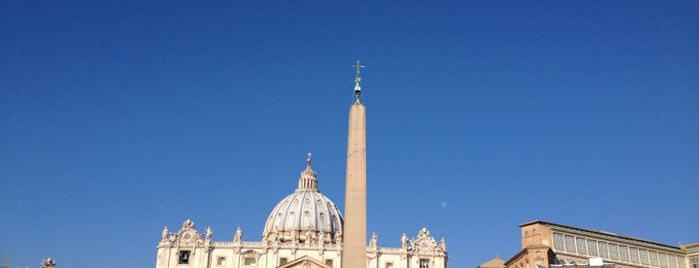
x=613 y=251
x=592 y=248
x=694 y=261
x=329 y=262
x=283 y=261
x=424 y=263
x=643 y=255
x=624 y=253
x=672 y=259
x=220 y=261
x=633 y=252
x=653 y=258
x=570 y=243
x=389 y=265
x=582 y=246
x=558 y=241
x=603 y=249
x=662 y=259
x=183 y=257
x=249 y=261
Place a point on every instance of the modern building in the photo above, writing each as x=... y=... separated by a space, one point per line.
x=546 y=244
x=306 y=229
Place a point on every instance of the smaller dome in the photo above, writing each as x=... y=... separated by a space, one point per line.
x=305 y=215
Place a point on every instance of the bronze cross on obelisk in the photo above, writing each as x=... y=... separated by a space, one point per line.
x=357 y=79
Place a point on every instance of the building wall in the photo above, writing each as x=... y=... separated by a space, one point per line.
x=532 y=256
x=576 y=245
x=202 y=252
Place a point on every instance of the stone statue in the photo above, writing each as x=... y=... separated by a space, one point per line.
x=48 y=263
x=209 y=232
x=404 y=241
x=321 y=238
x=372 y=242
x=443 y=244
x=309 y=236
x=294 y=237
x=165 y=233
x=338 y=238
x=423 y=233
x=188 y=224
x=238 y=235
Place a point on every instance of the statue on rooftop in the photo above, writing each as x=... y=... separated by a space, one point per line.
x=209 y=232
x=48 y=263
x=165 y=233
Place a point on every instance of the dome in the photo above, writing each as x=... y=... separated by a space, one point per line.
x=305 y=216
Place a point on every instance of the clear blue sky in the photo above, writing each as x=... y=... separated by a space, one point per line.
x=119 y=118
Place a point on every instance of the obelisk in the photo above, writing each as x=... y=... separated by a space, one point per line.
x=354 y=234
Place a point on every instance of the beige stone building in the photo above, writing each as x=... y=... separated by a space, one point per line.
x=303 y=230
x=496 y=262
x=306 y=229
x=546 y=244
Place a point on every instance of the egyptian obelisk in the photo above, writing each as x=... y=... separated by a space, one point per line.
x=354 y=234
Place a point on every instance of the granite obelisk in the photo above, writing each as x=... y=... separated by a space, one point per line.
x=354 y=234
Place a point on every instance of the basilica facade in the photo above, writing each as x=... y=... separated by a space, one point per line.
x=303 y=230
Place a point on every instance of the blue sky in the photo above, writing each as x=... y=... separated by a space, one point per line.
x=117 y=119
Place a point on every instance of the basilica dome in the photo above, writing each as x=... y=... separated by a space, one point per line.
x=305 y=216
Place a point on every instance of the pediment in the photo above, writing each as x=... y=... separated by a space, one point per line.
x=304 y=262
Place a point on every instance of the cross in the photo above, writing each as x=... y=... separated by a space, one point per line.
x=358 y=67
x=357 y=80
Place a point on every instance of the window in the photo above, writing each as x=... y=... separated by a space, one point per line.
x=643 y=255
x=570 y=243
x=329 y=262
x=653 y=258
x=249 y=261
x=662 y=259
x=613 y=251
x=558 y=241
x=582 y=249
x=389 y=265
x=603 y=249
x=283 y=261
x=633 y=252
x=694 y=261
x=673 y=261
x=592 y=248
x=220 y=261
x=184 y=257
x=424 y=263
x=624 y=253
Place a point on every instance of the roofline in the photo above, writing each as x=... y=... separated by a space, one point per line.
x=525 y=250
x=690 y=245
x=603 y=233
x=514 y=257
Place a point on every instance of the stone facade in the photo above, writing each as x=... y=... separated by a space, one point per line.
x=289 y=242
x=305 y=229
x=546 y=244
